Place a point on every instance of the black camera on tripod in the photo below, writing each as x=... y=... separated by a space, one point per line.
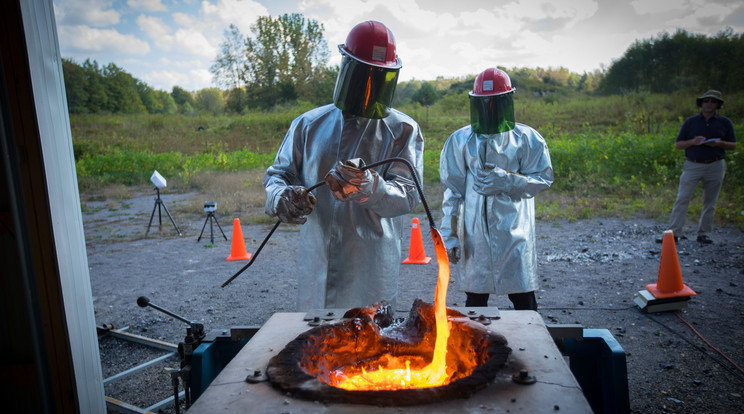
x=210 y=207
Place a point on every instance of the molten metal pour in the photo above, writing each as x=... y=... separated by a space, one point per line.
x=401 y=376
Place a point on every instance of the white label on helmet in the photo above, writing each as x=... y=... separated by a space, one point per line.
x=487 y=85
x=378 y=53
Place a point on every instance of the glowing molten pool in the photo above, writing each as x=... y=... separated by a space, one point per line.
x=369 y=357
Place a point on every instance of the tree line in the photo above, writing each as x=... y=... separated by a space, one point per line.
x=679 y=61
x=286 y=60
x=94 y=89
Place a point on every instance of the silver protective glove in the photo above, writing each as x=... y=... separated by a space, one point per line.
x=496 y=181
x=453 y=254
x=293 y=203
x=349 y=182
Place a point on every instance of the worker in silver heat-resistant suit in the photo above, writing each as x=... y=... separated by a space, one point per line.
x=350 y=246
x=490 y=172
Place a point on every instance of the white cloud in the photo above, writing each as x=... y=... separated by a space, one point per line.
x=165 y=79
x=183 y=19
x=241 y=13
x=146 y=5
x=199 y=78
x=486 y=22
x=698 y=16
x=421 y=19
x=658 y=6
x=714 y=13
x=190 y=79
x=82 y=39
x=193 y=42
x=86 y=12
x=158 y=31
x=572 y=10
x=183 y=41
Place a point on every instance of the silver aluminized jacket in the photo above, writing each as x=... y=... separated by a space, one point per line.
x=497 y=233
x=350 y=252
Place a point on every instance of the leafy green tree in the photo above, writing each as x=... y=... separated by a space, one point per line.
x=323 y=84
x=121 y=90
x=236 y=101
x=182 y=96
x=94 y=87
x=228 y=69
x=210 y=100
x=187 y=109
x=285 y=60
x=426 y=95
x=148 y=98
x=307 y=51
x=166 y=104
x=75 y=82
x=264 y=57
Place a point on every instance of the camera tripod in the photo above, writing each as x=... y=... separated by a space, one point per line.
x=158 y=205
x=211 y=217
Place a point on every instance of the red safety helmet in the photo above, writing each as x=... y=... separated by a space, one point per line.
x=368 y=72
x=373 y=43
x=492 y=81
x=492 y=103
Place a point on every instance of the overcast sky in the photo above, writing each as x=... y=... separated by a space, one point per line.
x=174 y=42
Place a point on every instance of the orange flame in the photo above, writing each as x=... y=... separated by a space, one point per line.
x=398 y=374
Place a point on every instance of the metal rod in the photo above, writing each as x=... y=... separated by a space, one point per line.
x=220 y=227
x=407 y=163
x=157 y=406
x=174 y=382
x=143 y=301
x=114 y=405
x=156 y=343
x=138 y=368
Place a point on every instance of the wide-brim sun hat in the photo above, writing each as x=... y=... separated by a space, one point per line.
x=711 y=94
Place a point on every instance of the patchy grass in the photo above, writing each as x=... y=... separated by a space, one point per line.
x=231 y=191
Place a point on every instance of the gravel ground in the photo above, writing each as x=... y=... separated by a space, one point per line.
x=589 y=272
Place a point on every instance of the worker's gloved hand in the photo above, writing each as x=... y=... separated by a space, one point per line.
x=348 y=182
x=491 y=182
x=453 y=254
x=293 y=204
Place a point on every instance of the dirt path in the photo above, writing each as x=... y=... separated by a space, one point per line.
x=589 y=272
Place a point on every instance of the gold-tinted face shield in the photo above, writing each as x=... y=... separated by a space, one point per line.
x=364 y=90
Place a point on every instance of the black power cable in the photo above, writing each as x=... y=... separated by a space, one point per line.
x=701 y=349
x=734 y=372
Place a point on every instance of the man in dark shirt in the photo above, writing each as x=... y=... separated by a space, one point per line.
x=705 y=138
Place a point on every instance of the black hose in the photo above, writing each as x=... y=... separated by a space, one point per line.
x=366 y=167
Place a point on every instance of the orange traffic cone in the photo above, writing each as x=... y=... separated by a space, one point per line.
x=669 y=282
x=416 y=253
x=238 y=244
